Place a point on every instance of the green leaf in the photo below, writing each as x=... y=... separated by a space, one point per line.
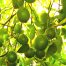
x=17 y=28
x=31 y=31
x=64 y=32
x=5 y=37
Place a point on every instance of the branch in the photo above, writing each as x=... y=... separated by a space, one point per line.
x=61 y=23
x=9 y=19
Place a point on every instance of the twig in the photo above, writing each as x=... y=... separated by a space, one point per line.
x=61 y=23
x=9 y=19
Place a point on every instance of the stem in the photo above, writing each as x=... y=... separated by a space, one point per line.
x=49 y=9
x=60 y=24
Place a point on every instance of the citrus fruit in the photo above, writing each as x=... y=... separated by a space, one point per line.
x=30 y=53
x=11 y=56
x=17 y=28
x=50 y=33
x=52 y=50
x=41 y=42
x=30 y=1
x=23 y=15
x=23 y=48
x=22 y=39
x=44 y=17
x=40 y=54
x=17 y=3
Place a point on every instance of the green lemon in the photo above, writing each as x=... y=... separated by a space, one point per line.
x=43 y=18
x=40 y=54
x=17 y=3
x=30 y=53
x=11 y=56
x=23 y=15
x=30 y=1
x=41 y=42
x=52 y=50
x=22 y=39
x=50 y=33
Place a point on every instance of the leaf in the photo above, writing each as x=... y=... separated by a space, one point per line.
x=3 y=31
x=15 y=20
x=21 y=60
x=5 y=37
x=64 y=7
x=17 y=28
x=64 y=32
x=31 y=31
x=36 y=18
